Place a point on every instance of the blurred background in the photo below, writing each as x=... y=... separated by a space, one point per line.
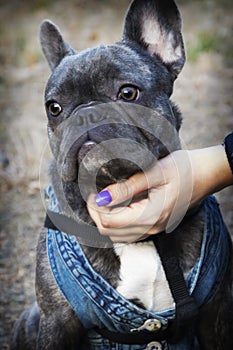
x=203 y=92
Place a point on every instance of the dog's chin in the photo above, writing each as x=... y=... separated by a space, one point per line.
x=115 y=171
x=94 y=171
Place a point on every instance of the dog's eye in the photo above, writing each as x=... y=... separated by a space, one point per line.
x=54 y=108
x=129 y=93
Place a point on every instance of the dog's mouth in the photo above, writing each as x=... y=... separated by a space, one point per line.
x=85 y=149
x=107 y=155
x=99 y=165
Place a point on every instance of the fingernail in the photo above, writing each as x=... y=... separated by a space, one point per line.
x=103 y=198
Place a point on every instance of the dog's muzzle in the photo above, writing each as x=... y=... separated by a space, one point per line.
x=109 y=142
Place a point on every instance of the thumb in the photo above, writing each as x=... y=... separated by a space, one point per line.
x=123 y=191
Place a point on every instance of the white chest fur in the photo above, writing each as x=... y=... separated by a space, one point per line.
x=142 y=276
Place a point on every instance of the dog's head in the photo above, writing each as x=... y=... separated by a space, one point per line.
x=108 y=108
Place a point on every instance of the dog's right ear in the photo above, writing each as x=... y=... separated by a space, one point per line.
x=53 y=45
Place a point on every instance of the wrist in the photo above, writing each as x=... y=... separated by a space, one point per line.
x=228 y=144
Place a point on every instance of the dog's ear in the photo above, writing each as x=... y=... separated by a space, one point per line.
x=156 y=25
x=53 y=45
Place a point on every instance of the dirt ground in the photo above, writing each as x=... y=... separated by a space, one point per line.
x=203 y=92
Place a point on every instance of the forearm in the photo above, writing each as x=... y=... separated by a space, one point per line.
x=211 y=171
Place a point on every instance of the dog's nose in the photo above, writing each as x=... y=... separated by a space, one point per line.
x=88 y=116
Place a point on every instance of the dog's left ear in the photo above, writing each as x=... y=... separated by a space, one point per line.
x=156 y=25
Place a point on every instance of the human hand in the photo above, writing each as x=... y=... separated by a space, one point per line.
x=174 y=184
x=129 y=218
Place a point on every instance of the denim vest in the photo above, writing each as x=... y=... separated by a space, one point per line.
x=97 y=304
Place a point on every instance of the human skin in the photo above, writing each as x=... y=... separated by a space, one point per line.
x=174 y=184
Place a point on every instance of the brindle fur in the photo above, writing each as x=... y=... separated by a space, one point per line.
x=77 y=79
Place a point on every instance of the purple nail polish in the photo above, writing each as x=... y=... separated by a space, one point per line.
x=103 y=198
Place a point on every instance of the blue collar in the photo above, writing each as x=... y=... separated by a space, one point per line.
x=97 y=304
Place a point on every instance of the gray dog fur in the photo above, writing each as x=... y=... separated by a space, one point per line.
x=150 y=57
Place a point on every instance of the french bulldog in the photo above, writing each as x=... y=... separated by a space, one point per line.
x=109 y=117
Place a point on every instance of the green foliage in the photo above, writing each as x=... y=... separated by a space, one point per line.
x=206 y=42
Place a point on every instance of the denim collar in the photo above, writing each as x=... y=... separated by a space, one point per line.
x=97 y=304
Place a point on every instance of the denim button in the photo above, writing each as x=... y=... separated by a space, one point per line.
x=154 y=345
x=151 y=325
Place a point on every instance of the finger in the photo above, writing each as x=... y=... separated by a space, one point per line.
x=119 y=234
x=117 y=217
x=126 y=190
x=146 y=212
x=128 y=239
x=94 y=210
x=114 y=220
x=129 y=234
x=126 y=216
x=123 y=191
